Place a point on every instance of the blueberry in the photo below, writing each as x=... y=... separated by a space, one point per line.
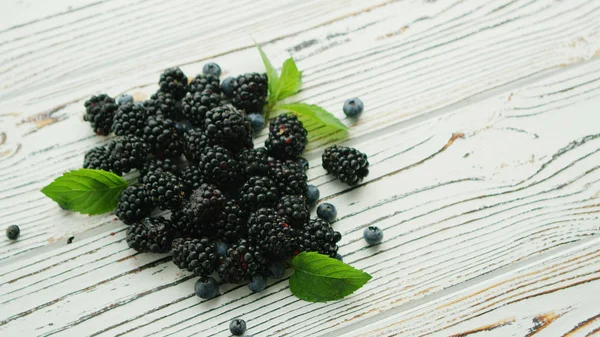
x=353 y=107
x=312 y=195
x=140 y=104
x=237 y=327
x=327 y=212
x=222 y=248
x=303 y=163
x=125 y=99
x=276 y=269
x=373 y=235
x=211 y=69
x=207 y=289
x=258 y=121
x=257 y=283
x=183 y=126
x=338 y=256
x=227 y=86
x=13 y=231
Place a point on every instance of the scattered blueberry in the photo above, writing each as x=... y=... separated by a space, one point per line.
x=257 y=283
x=373 y=235
x=277 y=269
x=211 y=69
x=327 y=212
x=140 y=104
x=227 y=86
x=207 y=289
x=338 y=256
x=13 y=231
x=303 y=163
x=312 y=195
x=222 y=248
x=125 y=99
x=258 y=121
x=353 y=107
x=183 y=126
x=237 y=327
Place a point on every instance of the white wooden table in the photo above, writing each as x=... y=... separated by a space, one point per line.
x=482 y=126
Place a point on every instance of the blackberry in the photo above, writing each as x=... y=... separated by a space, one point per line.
x=211 y=68
x=272 y=233
x=165 y=104
x=126 y=153
x=97 y=159
x=231 y=223
x=192 y=177
x=174 y=81
x=152 y=235
x=204 y=205
x=129 y=119
x=99 y=111
x=318 y=236
x=205 y=82
x=258 y=192
x=193 y=142
x=250 y=92
x=133 y=205
x=228 y=127
x=242 y=261
x=165 y=189
x=12 y=232
x=196 y=106
x=348 y=164
x=293 y=208
x=186 y=228
x=218 y=166
x=287 y=137
x=162 y=137
x=157 y=165
x=289 y=176
x=195 y=255
x=253 y=162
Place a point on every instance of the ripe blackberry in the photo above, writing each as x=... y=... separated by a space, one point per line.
x=162 y=137
x=272 y=233
x=126 y=153
x=97 y=159
x=243 y=260
x=174 y=81
x=228 y=127
x=258 y=192
x=205 y=82
x=133 y=205
x=204 y=205
x=250 y=92
x=318 y=236
x=165 y=189
x=287 y=137
x=99 y=111
x=348 y=164
x=253 y=162
x=130 y=119
x=196 y=106
x=163 y=103
x=152 y=235
x=157 y=165
x=191 y=177
x=218 y=166
x=289 y=176
x=293 y=208
x=193 y=142
x=196 y=255
x=231 y=224
x=184 y=227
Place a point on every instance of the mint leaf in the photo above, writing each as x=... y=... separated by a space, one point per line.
x=272 y=76
x=86 y=191
x=320 y=278
x=314 y=113
x=290 y=80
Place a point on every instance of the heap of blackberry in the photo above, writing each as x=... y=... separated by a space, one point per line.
x=218 y=166
x=126 y=153
x=250 y=92
x=97 y=159
x=253 y=162
x=204 y=204
x=174 y=81
x=165 y=104
x=152 y=235
x=348 y=164
x=195 y=106
x=196 y=255
x=287 y=137
x=99 y=111
x=158 y=165
x=242 y=261
x=231 y=223
x=228 y=127
x=130 y=119
x=133 y=205
x=289 y=176
x=165 y=189
x=162 y=137
x=191 y=177
x=258 y=192
x=193 y=142
x=293 y=208
x=318 y=236
x=272 y=233
x=205 y=82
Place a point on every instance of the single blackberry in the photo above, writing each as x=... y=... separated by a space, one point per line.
x=231 y=224
x=174 y=81
x=97 y=159
x=130 y=119
x=243 y=260
x=287 y=137
x=184 y=227
x=162 y=137
x=272 y=233
x=289 y=176
x=250 y=92
x=193 y=142
x=204 y=205
x=294 y=209
x=218 y=166
x=258 y=192
x=196 y=255
x=318 y=236
x=99 y=111
x=156 y=165
x=133 y=205
x=253 y=162
x=228 y=127
x=126 y=153
x=191 y=177
x=163 y=103
x=205 y=82
x=197 y=105
x=165 y=189
x=348 y=164
x=152 y=235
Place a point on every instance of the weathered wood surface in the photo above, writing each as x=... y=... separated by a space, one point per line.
x=481 y=128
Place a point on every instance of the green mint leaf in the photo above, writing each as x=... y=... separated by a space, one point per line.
x=290 y=80
x=320 y=278
x=86 y=191
x=272 y=76
x=314 y=113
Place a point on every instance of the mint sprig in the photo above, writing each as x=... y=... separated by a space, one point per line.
x=86 y=191
x=314 y=113
x=320 y=278
x=290 y=81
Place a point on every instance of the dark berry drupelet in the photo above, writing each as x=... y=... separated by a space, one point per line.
x=253 y=162
x=156 y=165
x=204 y=205
x=205 y=82
x=228 y=127
x=258 y=192
x=133 y=205
x=272 y=233
x=165 y=189
x=289 y=176
x=287 y=137
x=242 y=261
x=174 y=81
x=152 y=235
x=130 y=119
x=191 y=177
x=250 y=92
x=195 y=106
x=318 y=236
x=196 y=255
x=126 y=153
x=218 y=166
x=348 y=164
x=162 y=137
x=232 y=222
x=165 y=104
x=293 y=208
x=99 y=111
x=97 y=159
x=193 y=142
